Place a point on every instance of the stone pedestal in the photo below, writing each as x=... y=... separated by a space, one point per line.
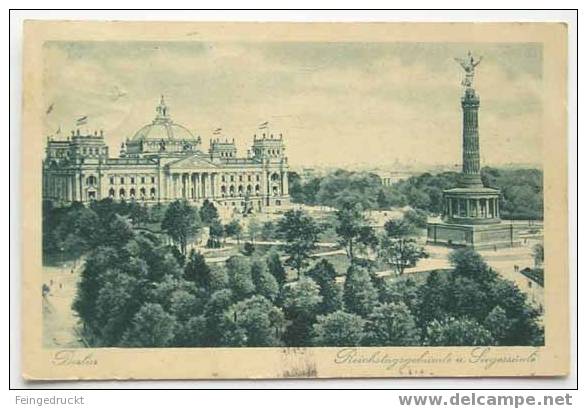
x=478 y=237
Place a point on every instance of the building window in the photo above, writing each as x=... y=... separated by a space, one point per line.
x=122 y=181
x=143 y=179
x=257 y=178
x=132 y=181
x=249 y=178
x=240 y=178
x=111 y=193
x=152 y=179
x=232 y=178
x=223 y=178
x=111 y=180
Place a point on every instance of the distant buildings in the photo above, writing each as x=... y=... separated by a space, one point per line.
x=390 y=178
x=163 y=162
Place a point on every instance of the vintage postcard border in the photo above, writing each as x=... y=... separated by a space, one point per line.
x=180 y=363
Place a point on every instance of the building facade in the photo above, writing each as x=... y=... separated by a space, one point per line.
x=164 y=162
x=471 y=211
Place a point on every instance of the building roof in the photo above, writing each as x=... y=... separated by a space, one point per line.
x=162 y=128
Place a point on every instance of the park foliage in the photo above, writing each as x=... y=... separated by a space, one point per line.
x=141 y=285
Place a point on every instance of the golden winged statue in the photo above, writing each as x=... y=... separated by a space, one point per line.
x=469 y=63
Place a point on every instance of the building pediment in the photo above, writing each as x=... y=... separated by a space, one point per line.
x=197 y=161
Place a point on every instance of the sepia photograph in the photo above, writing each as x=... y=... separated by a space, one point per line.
x=342 y=199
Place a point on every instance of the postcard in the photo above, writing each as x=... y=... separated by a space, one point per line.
x=294 y=200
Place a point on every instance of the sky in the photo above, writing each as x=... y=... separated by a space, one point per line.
x=337 y=104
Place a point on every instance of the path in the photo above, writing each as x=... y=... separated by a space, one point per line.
x=59 y=320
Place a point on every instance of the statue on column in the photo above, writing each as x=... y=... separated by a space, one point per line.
x=469 y=63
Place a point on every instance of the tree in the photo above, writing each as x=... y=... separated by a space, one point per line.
x=248 y=249
x=392 y=325
x=359 y=295
x=300 y=301
x=268 y=231
x=253 y=228
x=498 y=324
x=382 y=201
x=434 y=296
x=233 y=229
x=343 y=187
x=197 y=271
x=416 y=217
x=138 y=213
x=216 y=230
x=181 y=222
x=253 y=322
x=265 y=284
x=300 y=233
x=397 y=248
x=525 y=325
x=151 y=327
x=462 y=291
x=208 y=212
x=353 y=229
x=276 y=268
x=457 y=332
x=218 y=279
x=191 y=333
x=338 y=329
x=324 y=274
x=240 y=280
x=118 y=232
x=401 y=291
x=468 y=263
x=185 y=305
x=214 y=310
x=538 y=253
x=117 y=300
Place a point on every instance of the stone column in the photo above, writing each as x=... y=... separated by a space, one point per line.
x=197 y=188
x=468 y=207
x=213 y=181
x=477 y=208
x=471 y=166
x=285 y=189
x=190 y=193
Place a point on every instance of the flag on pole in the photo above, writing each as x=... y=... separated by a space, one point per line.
x=50 y=109
x=264 y=125
x=82 y=120
x=58 y=132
